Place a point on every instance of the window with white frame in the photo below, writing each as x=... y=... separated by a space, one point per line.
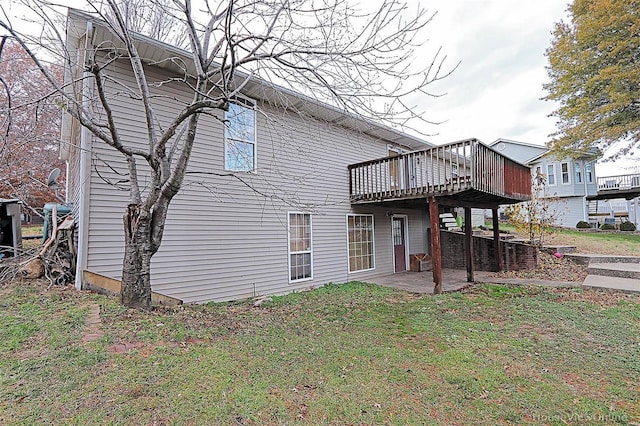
x=551 y=174
x=564 y=171
x=300 y=247
x=240 y=136
x=578 y=168
x=588 y=171
x=360 y=242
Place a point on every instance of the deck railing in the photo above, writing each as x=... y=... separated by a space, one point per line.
x=440 y=170
x=619 y=182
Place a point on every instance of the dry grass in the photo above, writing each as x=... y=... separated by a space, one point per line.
x=550 y=268
x=591 y=242
x=599 y=242
x=342 y=354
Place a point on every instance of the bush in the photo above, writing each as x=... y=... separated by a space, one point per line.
x=583 y=225
x=627 y=226
x=607 y=227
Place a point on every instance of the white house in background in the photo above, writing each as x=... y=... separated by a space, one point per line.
x=571 y=181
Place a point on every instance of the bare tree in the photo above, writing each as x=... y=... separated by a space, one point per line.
x=363 y=62
x=29 y=127
x=536 y=218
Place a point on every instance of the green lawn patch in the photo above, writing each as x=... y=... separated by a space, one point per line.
x=593 y=242
x=343 y=354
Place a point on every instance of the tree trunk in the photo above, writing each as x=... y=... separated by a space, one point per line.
x=136 y=266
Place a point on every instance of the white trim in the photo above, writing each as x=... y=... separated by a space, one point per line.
x=578 y=170
x=401 y=172
x=555 y=176
x=589 y=177
x=373 y=240
x=396 y=148
x=289 y=252
x=84 y=183
x=568 y=163
x=406 y=242
x=84 y=180
x=253 y=107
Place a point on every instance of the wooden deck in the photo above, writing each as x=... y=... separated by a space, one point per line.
x=476 y=174
x=621 y=186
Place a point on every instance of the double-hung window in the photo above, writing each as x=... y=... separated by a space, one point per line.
x=564 y=169
x=360 y=242
x=300 y=248
x=551 y=174
x=240 y=136
x=578 y=172
x=588 y=172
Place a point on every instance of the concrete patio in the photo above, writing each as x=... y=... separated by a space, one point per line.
x=422 y=282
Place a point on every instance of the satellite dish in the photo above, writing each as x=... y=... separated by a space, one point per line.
x=53 y=176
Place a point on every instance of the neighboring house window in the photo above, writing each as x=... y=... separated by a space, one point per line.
x=564 y=169
x=551 y=174
x=360 y=241
x=300 y=251
x=589 y=172
x=454 y=170
x=240 y=136
x=578 y=173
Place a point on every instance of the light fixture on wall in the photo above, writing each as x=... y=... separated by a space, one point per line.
x=389 y=213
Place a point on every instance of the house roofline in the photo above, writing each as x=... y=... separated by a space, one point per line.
x=175 y=59
x=529 y=144
x=590 y=157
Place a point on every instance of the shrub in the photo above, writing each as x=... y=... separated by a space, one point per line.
x=583 y=225
x=627 y=226
x=607 y=227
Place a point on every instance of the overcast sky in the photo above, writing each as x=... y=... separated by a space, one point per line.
x=496 y=90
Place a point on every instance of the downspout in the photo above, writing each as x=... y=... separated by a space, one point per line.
x=85 y=171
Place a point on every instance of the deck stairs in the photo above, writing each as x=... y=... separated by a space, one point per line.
x=448 y=222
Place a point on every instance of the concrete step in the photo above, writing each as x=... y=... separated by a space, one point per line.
x=612 y=283
x=621 y=270
x=586 y=259
x=560 y=249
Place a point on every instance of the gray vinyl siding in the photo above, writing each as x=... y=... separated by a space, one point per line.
x=72 y=132
x=571 y=202
x=224 y=241
x=383 y=241
x=518 y=152
x=573 y=188
x=74 y=185
x=572 y=210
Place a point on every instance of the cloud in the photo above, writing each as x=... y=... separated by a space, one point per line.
x=496 y=90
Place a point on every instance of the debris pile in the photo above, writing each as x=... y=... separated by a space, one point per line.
x=55 y=260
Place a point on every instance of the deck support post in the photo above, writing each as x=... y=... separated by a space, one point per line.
x=468 y=244
x=436 y=249
x=497 y=249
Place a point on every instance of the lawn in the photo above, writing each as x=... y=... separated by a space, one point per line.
x=592 y=242
x=343 y=354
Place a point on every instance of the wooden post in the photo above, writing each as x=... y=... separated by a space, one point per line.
x=468 y=244
x=497 y=245
x=436 y=249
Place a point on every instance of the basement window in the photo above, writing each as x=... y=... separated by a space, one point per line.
x=300 y=248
